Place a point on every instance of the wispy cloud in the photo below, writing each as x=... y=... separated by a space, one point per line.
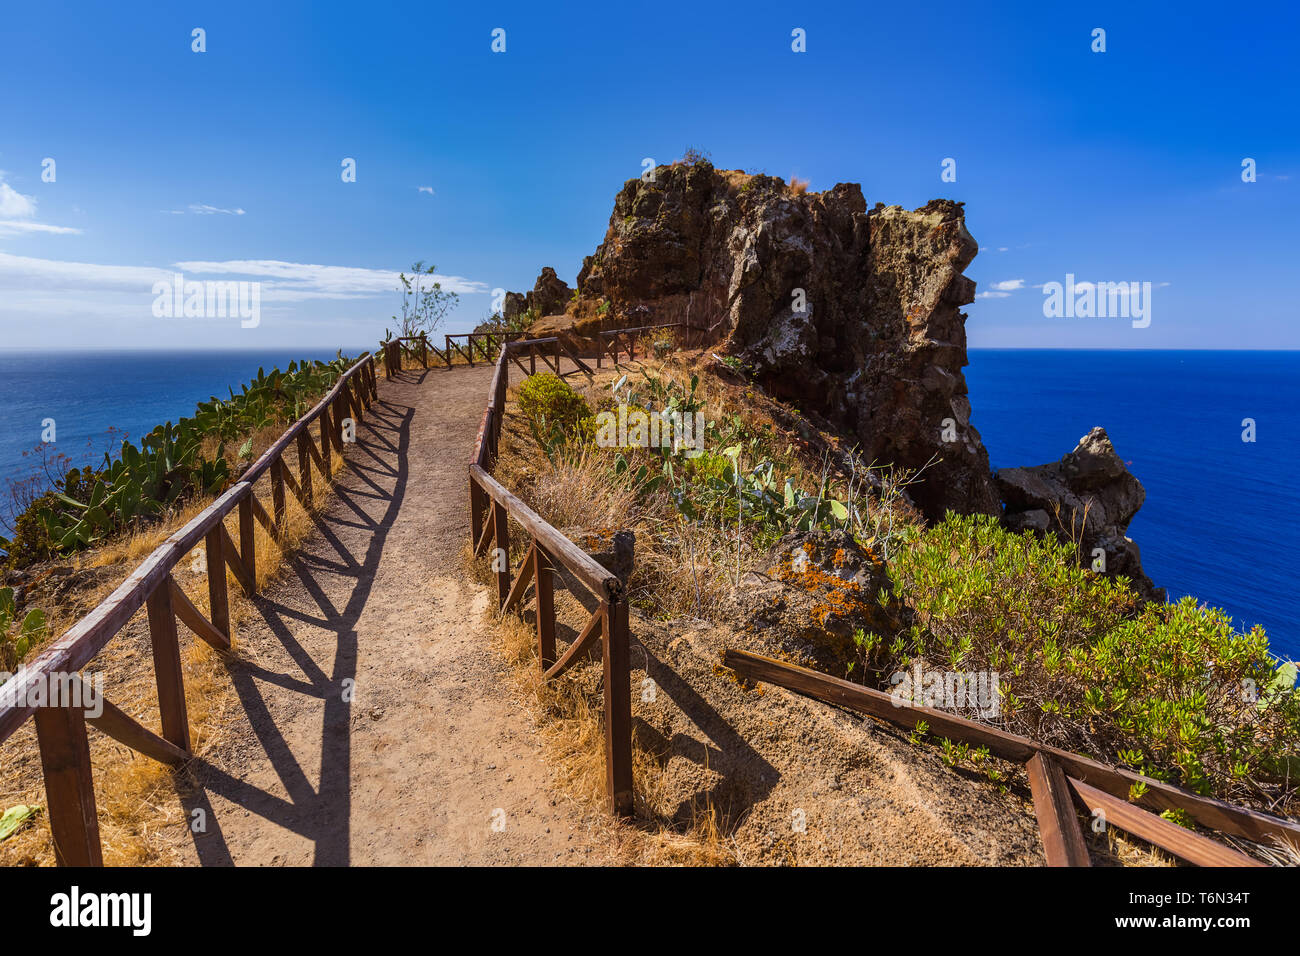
x=17 y=212
x=203 y=209
x=426 y=189
x=281 y=281
x=1003 y=289
x=13 y=203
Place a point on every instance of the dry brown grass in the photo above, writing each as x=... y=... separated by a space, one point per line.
x=568 y=712
x=797 y=186
x=142 y=818
x=683 y=568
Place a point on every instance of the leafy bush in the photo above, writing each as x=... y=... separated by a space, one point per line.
x=551 y=405
x=1172 y=691
x=16 y=641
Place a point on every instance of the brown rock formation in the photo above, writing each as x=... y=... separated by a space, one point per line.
x=854 y=314
x=1088 y=496
x=550 y=296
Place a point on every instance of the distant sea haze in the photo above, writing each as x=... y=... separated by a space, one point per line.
x=1219 y=521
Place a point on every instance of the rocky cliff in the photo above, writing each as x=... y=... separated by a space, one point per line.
x=850 y=312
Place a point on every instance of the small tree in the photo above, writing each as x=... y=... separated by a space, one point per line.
x=424 y=301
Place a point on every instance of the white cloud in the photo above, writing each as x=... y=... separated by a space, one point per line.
x=281 y=281
x=994 y=295
x=15 y=204
x=426 y=189
x=1009 y=285
x=342 y=280
x=17 y=212
x=11 y=227
x=203 y=209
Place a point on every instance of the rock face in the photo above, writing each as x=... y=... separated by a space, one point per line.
x=550 y=296
x=1089 y=496
x=851 y=313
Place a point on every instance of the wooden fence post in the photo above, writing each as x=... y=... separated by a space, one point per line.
x=545 y=606
x=325 y=441
x=218 y=599
x=447 y=343
x=1058 y=824
x=277 y=492
x=501 y=527
x=69 y=785
x=475 y=512
x=304 y=467
x=618 y=708
x=167 y=667
x=247 y=544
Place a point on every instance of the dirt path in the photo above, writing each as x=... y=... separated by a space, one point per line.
x=432 y=754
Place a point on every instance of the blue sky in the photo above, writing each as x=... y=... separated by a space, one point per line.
x=1115 y=166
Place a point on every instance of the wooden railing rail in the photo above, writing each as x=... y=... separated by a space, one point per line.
x=1054 y=775
x=610 y=343
x=61 y=724
x=492 y=508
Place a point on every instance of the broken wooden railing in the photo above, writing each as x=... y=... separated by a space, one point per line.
x=492 y=508
x=1056 y=777
x=611 y=343
x=61 y=724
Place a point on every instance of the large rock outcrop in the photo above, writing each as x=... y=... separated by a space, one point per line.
x=550 y=296
x=1089 y=497
x=850 y=312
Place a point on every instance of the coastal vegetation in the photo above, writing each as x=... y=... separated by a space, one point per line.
x=1172 y=691
x=145 y=485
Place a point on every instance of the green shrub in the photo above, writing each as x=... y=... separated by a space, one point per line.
x=17 y=637
x=1172 y=691
x=550 y=403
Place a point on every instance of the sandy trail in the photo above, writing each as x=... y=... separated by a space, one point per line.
x=432 y=754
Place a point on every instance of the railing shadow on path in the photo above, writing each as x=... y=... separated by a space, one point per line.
x=373 y=488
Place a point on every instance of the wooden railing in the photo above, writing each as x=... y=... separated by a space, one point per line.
x=491 y=509
x=61 y=727
x=611 y=343
x=1054 y=776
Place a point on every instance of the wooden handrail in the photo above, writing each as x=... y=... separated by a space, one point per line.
x=1116 y=781
x=492 y=507
x=60 y=726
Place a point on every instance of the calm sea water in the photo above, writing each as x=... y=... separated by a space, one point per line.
x=1220 y=520
x=87 y=393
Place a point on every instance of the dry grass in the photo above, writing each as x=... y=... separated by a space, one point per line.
x=683 y=568
x=142 y=817
x=568 y=712
x=797 y=186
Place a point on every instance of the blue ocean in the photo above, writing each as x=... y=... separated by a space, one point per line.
x=1219 y=521
x=89 y=393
